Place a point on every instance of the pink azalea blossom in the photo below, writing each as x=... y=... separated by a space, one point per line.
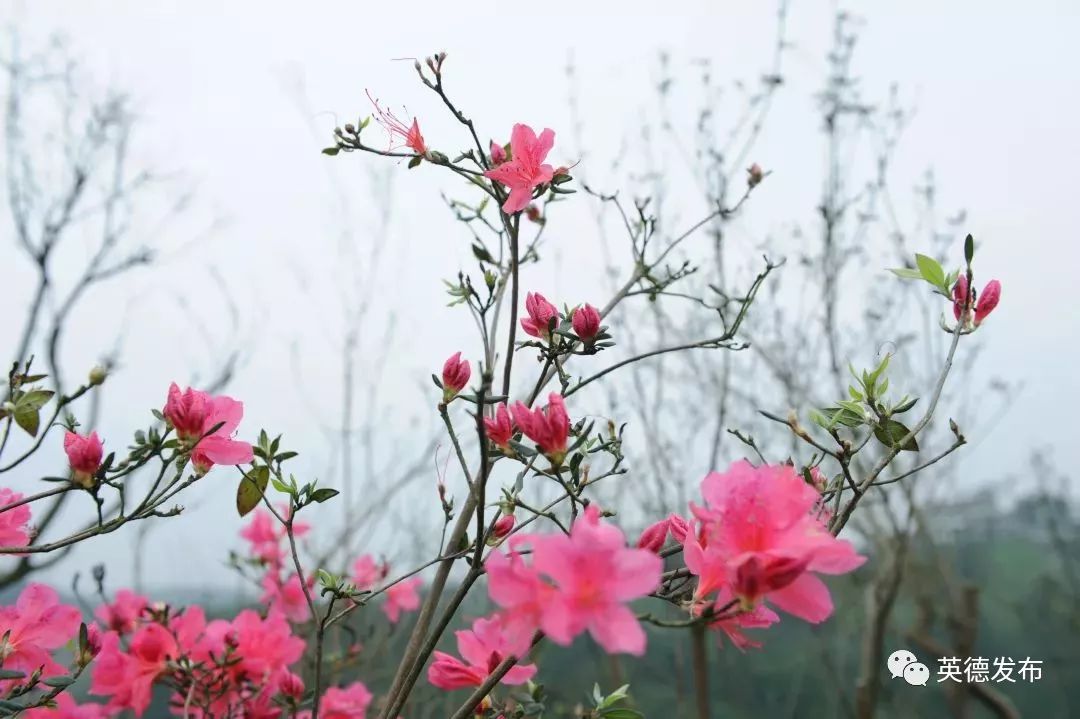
x=525 y=170
x=654 y=536
x=500 y=428
x=401 y=597
x=286 y=597
x=35 y=625
x=263 y=534
x=733 y=626
x=455 y=375
x=127 y=676
x=265 y=646
x=483 y=648
x=521 y=593
x=586 y=322
x=578 y=582
x=193 y=414
x=400 y=135
x=762 y=537
x=541 y=313
x=548 y=427
x=13 y=522
x=367 y=572
x=84 y=455
x=122 y=616
x=66 y=708
x=349 y=702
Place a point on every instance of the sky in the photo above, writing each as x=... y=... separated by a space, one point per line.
x=237 y=99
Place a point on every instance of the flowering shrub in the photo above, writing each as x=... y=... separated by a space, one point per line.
x=760 y=537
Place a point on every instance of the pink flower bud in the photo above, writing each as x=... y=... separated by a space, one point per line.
x=498 y=153
x=84 y=455
x=988 y=300
x=960 y=295
x=500 y=428
x=541 y=313
x=654 y=536
x=503 y=525
x=93 y=640
x=586 y=321
x=680 y=528
x=754 y=175
x=455 y=375
x=532 y=212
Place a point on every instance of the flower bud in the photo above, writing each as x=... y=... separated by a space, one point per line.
x=754 y=175
x=654 y=536
x=503 y=526
x=988 y=300
x=586 y=322
x=498 y=153
x=84 y=456
x=97 y=375
x=291 y=686
x=455 y=375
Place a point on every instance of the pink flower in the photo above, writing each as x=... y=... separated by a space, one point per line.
x=548 y=427
x=483 y=649
x=521 y=593
x=263 y=533
x=988 y=300
x=349 y=702
x=595 y=575
x=286 y=597
x=576 y=583
x=291 y=686
x=66 y=708
x=541 y=313
x=123 y=614
x=367 y=573
x=455 y=375
x=400 y=135
x=500 y=428
x=84 y=455
x=266 y=647
x=586 y=322
x=401 y=597
x=763 y=538
x=13 y=529
x=193 y=414
x=498 y=153
x=760 y=617
x=34 y=626
x=127 y=677
x=525 y=170
x=654 y=536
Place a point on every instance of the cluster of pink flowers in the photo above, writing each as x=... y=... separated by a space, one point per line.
x=483 y=648
x=206 y=423
x=978 y=310
x=32 y=629
x=575 y=583
x=759 y=538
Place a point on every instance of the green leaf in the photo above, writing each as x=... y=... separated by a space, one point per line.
x=323 y=494
x=331 y=151
x=892 y=432
x=842 y=415
x=481 y=253
x=28 y=419
x=11 y=674
x=415 y=161
x=622 y=713
x=930 y=270
x=969 y=248
x=906 y=273
x=251 y=489
x=905 y=406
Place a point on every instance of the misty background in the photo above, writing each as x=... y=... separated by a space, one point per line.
x=235 y=102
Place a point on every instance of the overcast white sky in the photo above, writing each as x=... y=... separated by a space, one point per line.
x=998 y=112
